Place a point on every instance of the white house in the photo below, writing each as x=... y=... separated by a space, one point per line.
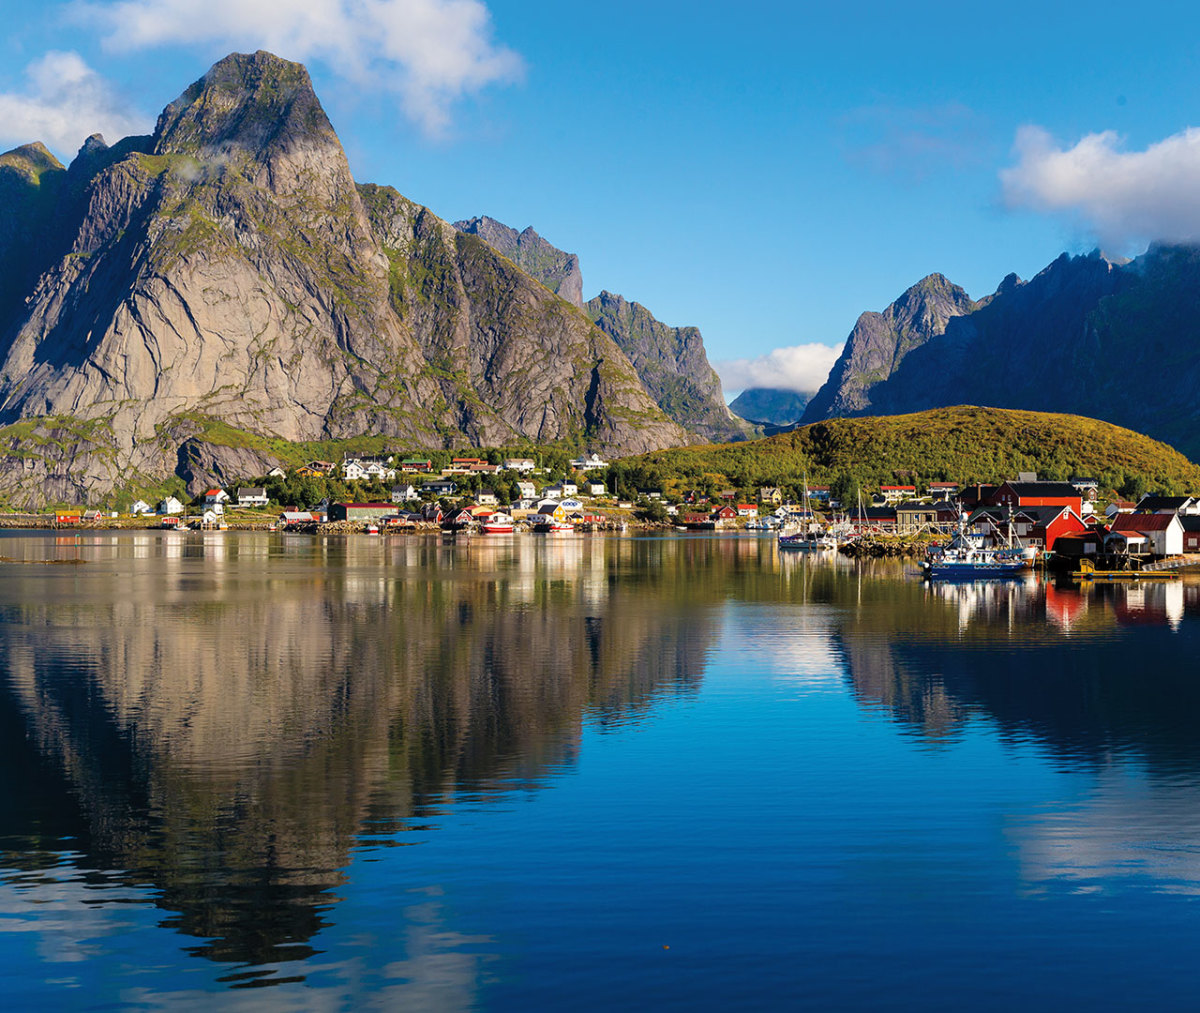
x=215 y=496
x=170 y=506
x=252 y=495
x=588 y=462
x=522 y=464
x=597 y=489
x=485 y=497
x=353 y=471
x=527 y=490
x=404 y=493
x=276 y=473
x=141 y=507
x=1163 y=532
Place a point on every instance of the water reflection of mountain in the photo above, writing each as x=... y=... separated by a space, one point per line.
x=1092 y=674
x=221 y=718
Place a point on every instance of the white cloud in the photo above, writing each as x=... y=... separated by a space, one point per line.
x=64 y=102
x=802 y=368
x=428 y=52
x=1120 y=196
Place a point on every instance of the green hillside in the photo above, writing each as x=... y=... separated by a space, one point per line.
x=962 y=444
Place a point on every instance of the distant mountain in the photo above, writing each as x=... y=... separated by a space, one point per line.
x=879 y=343
x=228 y=274
x=554 y=268
x=670 y=361
x=767 y=405
x=1111 y=339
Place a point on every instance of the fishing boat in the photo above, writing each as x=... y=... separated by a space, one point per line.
x=968 y=558
x=498 y=523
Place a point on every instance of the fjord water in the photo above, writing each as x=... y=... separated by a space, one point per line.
x=583 y=772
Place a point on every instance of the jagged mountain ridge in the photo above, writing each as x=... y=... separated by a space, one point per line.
x=229 y=268
x=879 y=343
x=673 y=365
x=670 y=361
x=1089 y=335
x=554 y=268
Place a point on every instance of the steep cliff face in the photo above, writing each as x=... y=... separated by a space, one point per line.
x=880 y=341
x=509 y=358
x=226 y=268
x=554 y=268
x=672 y=363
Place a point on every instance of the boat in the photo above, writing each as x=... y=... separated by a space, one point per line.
x=372 y=529
x=544 y=525
x=968 y=558
x=498 y=524
x=814 y=539
x=811 y=537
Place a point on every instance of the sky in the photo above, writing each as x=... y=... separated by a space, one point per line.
x=764 y=171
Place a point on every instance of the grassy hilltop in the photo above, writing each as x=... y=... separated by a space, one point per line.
x=962 y=444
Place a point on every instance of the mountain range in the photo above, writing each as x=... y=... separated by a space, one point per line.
x=1090 y=335
x=226 y=275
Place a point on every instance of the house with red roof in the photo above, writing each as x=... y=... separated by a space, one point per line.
x=1162 y=533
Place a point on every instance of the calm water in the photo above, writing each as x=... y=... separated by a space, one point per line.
x=288 y=772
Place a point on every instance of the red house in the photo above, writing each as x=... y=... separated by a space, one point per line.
x=1037 y=494
x=725 y=513
x=1049 y=523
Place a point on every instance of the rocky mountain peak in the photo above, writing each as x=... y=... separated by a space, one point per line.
x=257 y=104
x=554 y=268
x=880 y=341
x=30 y=160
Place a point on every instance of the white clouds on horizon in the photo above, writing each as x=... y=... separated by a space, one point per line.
x=430 y=53
x=1123 y=197
x=800 y=368
x=64 y=102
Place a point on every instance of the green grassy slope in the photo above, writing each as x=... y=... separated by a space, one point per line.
x=963 y=444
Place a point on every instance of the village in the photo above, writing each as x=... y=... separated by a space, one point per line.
x=1063 y=521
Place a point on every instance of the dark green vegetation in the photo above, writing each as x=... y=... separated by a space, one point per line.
x=963 y=444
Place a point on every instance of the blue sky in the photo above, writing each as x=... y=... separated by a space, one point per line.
x=765 y=172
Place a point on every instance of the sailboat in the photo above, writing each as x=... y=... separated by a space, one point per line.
x=810 y=536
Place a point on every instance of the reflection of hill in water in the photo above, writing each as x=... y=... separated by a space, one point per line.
x=226 y=728
x=1091 y=674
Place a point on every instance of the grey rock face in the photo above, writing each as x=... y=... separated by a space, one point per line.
x=227 y=269
x=672 y=363
x=879 y=343
x=554 y=268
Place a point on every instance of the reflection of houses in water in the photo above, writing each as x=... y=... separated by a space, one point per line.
x=1065 y=606
x=1153 y=603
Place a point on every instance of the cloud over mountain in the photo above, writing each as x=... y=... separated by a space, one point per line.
x=430 y=53
x=63 y=102
x=1120 y=196
x=801 y=368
